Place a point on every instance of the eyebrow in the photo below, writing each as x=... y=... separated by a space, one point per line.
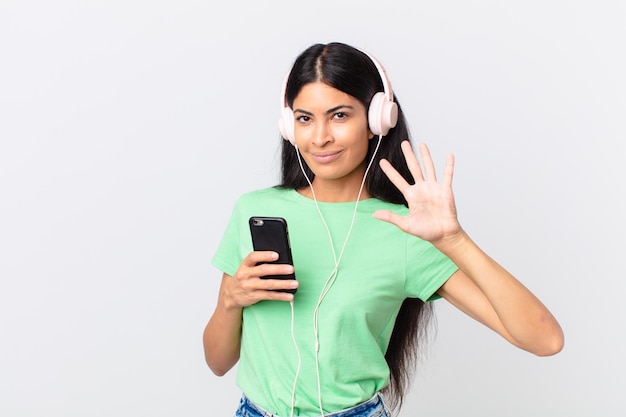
x=329 y=111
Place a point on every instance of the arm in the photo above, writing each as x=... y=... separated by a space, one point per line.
x=222 y=334
x=488 y=293
x=481 y=288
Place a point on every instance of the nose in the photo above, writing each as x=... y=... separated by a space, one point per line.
x=322 y=134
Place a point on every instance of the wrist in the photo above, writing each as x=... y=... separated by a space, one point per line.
x=452 y=243
x=228 y=304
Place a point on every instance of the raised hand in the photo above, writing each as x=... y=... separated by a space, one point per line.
x=432 y=212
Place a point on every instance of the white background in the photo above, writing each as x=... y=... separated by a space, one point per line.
x=129 y=128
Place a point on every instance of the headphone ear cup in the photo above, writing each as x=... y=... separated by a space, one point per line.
x=382 y=114
x=389 y=116
x=286 y=125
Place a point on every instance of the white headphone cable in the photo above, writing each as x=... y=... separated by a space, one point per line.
x=295 y=380
x=333 y=276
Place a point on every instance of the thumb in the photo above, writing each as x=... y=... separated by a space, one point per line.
x=390 y=217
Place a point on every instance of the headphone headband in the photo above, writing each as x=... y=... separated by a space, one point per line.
x=383 y=76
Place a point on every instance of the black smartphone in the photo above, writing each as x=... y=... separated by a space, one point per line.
x=271 y=233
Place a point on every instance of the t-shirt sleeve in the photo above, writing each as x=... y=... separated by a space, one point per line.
x=235 y=244
x=427 y=269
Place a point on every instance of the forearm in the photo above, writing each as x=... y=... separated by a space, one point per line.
x=222 y=334
x=521 y=313
x=222 y=337
x=222 y=340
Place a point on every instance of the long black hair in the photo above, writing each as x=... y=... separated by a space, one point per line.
x=353 y=72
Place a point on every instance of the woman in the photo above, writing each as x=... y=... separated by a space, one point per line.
x=375 y=238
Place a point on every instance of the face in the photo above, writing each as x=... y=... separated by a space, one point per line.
x=332 y=134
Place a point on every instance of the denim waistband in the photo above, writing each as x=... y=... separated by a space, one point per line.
x=374 y=407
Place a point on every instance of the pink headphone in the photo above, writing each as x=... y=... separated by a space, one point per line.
x=382 y=114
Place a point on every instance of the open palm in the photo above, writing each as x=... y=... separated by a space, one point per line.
x=432 y=212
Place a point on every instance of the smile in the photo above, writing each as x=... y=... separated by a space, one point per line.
x=326 y=157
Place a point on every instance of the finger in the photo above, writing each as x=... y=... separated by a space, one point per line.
x=276 y=289
x=257 y=257
x=394 y=176
x=279 y=296
x=275 y=295
x=255 y=296
x=256 y=265
x=411 y=161
x=429 y=167
x=274 y=285
x=259 y=288
x=265 y=269
x=448 y=170
x=390 y=217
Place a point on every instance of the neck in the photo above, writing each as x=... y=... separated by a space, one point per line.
x=331 y=192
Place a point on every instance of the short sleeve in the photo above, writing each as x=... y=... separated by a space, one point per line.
x=427 y=269
x=234 y=245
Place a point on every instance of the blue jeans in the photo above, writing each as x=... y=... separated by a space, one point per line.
x=371 y=408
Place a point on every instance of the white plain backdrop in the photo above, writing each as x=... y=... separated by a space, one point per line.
x=129 y=128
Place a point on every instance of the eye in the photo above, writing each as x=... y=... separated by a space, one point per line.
x=340 y=115
x=303 y=119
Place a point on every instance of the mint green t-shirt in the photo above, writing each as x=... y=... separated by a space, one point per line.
x=380 y=267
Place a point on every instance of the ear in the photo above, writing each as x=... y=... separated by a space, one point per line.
x=371 y=134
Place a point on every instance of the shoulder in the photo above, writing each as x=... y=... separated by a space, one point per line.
x=271 y=201
x=264 y=194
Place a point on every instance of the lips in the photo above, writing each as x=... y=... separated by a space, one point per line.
x=325 y=157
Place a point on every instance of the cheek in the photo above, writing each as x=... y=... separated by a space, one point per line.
x=360 y=140
x=303 y=134
x=351 y=133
